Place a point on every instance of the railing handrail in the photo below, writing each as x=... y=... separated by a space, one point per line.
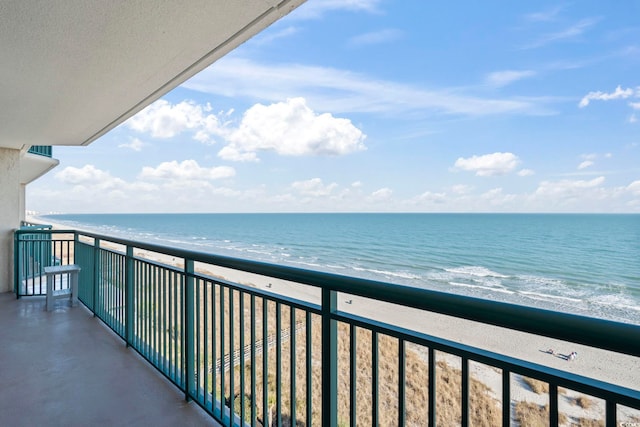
x=30 y=226
x=600 y=333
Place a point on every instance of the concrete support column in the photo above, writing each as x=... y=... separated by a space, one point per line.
x=23 y=201
x=10 y=212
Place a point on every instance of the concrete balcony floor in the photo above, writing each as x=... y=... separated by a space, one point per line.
x=66 y=368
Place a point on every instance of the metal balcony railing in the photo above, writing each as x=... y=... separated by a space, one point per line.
x=43 y=150
x=249 y=356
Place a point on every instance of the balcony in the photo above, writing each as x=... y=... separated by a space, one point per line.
x=42 y=150
x=260 y=344
x=36 y=162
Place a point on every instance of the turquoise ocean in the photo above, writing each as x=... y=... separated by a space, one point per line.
x=587 y=264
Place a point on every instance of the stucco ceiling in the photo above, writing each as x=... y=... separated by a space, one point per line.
x=72 y=70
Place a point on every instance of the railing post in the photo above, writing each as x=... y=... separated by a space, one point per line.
x=128 y=295
x=329 y=359
x=16 y=263
x=189 y=329
x=96 y=274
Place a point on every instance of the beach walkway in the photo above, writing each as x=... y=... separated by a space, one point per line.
x=65 y=367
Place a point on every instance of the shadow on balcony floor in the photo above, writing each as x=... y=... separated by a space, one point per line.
x=66 y=368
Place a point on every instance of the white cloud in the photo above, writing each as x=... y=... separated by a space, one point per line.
x=313 y=187
x=489 y=164
x=635 y=105
x=566 y=34
x=618 y=93
x=317 y=9
x=381 y=195
x=545 y=16
x=186 y=170
x=376 y=37
x=585 y=164
x=340 y=91
x=287 y=128
x=164 y=120
x=526 y=172
x=86 y=175
x=187 y=186
x=92 y=182
x=268 y=37
x=634 y=188
x=135 y=145
x=496 y=197
x=633 y=118
x=431 y=197
x=506 y=77
x=461 y=189
x=293 y=129
x=567 y=188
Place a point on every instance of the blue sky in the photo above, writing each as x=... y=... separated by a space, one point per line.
x=376 y=106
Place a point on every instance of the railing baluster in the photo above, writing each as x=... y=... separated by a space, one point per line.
x=329 y=359
x=128 y=291
x=375 y=404
x=222 y=354
x=232 y=389
x=353 y=366
x=214 y=347
x=309 y=367
x=278 y=365
x=150 y=311
x=164 y=335
x=154 y=313
x=17 y=265
x=553 y=404
x=196 y=330
x=265 y=363
x=147 y=306
x=292 y=364
x=96 y=274
x=189 y=325
x=506 y=397
x=465 y=391
x=254 y=398
x=611 y=416
x=181 y=303
x=205 y=368
x=242 y=361
x=432 y=388
x=171 y=328
x=401 y=383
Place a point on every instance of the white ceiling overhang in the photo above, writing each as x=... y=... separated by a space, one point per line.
x=33 y=166
x=72 y=70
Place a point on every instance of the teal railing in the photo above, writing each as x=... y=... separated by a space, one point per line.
x=249 y=356
x=34 y=256
x=43 y=150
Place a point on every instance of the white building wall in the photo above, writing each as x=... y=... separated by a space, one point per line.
x=11 y=200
